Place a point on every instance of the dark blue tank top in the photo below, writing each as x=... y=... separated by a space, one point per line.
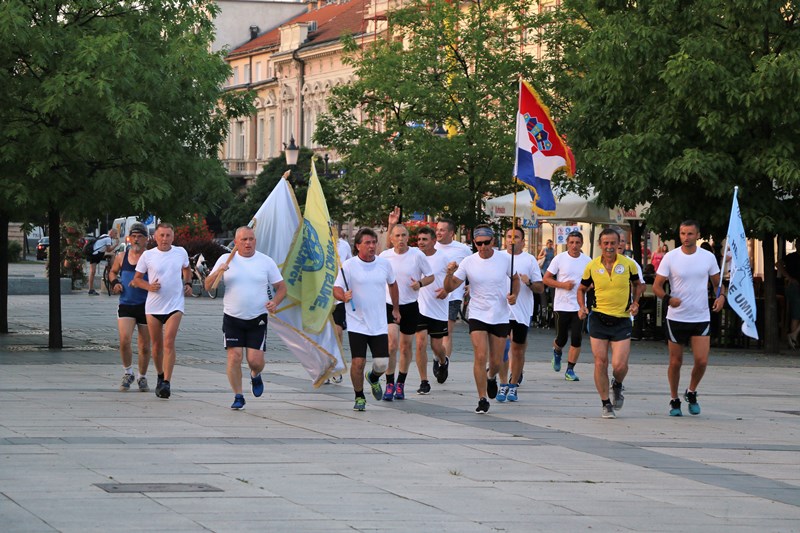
x=130 y=295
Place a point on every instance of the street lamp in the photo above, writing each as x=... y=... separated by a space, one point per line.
x=326 y=165
x=291 y=152
x=439 y=131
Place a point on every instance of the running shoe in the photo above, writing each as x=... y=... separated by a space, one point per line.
x=436 y=368
x=238 y=402
x=491 y=388
x=127 y=380
x=399 y=391
x=443 y=371
x=360 y=405
x=377 y=391
x=512 y=393
x=163 y=390
x=570 y=375
x=483 y=406
x=556 y=361
x=388 y=396
x=675 y=407
x=691 y=399
x=337 y=379
x=93 y=292
x=424 y=388
x=608 y=411
x=520 y=379
x=143 y=387
x=502 y=392
x=257 y=384
x=615 y=394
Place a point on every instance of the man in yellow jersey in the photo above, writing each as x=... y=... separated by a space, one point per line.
x=614 y=278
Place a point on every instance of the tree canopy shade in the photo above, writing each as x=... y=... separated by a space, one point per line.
x=450 y=65
x=675 y=102
x=110 y=106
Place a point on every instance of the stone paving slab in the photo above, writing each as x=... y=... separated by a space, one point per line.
x=299 y=458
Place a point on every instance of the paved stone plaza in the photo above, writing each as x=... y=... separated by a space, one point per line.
x=77 y=455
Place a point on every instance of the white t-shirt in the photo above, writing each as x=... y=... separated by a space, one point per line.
x=368 y=282
x=567 y=268
x=247 y=284
x=429 y=304
x=407 y=266
x=489 y=283
x=344 y=250
x=688 y=280
x=521 y=311
x=165 y=268
x=101 y=243
x=455 y=251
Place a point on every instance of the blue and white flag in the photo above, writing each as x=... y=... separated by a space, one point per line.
x=741 y=296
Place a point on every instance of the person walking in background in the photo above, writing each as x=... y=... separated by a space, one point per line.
x=131 y=313
x=688 y=269
x=169 y=280
x=659 y=255
x=564 y=275
x=104 y=245
x=615 y=278
x=249 y=278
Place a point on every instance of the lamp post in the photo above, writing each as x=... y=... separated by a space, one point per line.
x=291 y=151
x=326 y=165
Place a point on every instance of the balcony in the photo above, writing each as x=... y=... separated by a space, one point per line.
x=241 y=167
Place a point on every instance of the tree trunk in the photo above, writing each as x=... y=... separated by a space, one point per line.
x=55 y=342
x=771 y=335
x=4 y=273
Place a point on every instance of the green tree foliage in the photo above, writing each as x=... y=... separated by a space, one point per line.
x=448 y=64
x=674 y=102
x=110 y=106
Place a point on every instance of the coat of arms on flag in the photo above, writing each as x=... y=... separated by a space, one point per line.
x=540 y=150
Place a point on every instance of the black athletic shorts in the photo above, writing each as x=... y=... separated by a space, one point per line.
x=241 y=333
x=453 y=308
x=409 y=316
x=519 y=332
x=163 y=318
x=132 y=311
x=609 y=328
x=437 y=329
x=340 y=315
x=498 y=330
x=378 y=345
x=96 y=258
x=568 y=324
x=682 y=332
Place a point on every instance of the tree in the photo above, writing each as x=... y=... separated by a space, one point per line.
x=674 y=102
x=110 y=106
x=445 y=65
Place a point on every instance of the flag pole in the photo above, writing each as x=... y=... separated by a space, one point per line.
x=725 y=249
x=515 y=181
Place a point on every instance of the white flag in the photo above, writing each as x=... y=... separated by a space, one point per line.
x=277 y=223
x=741 y=296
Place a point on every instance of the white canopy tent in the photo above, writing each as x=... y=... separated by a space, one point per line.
x=571 y=207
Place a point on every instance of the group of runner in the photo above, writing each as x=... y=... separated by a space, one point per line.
x=410 y=296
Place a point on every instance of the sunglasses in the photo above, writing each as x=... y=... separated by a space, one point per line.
x=483 y=243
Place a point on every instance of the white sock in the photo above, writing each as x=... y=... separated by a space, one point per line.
x=128 y=369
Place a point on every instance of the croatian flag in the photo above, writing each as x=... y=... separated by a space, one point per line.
x=540 y=151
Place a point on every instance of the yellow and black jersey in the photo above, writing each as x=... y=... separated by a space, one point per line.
x=612 y=289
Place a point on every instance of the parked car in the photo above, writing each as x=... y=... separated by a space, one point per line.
x=41 y=248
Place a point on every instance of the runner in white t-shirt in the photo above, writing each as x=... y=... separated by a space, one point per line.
x=344 y=252
x=170 y=279
x=254 y=287
x=412 y=272
x=453 y=251
x=688 y=270
x=489 y=274
x=362 y=280
x=530 y=280
x=564 y=274
x=433 y=313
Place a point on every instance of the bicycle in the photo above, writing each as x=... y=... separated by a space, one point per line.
x=199 y=268
x=109 y=260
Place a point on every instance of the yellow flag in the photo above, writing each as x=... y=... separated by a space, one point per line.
x=310 y=267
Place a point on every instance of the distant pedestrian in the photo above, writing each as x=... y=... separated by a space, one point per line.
x=131 y=313
x=492 y=290
x=564 y=275
x=614 y=278
x=688 y=270
x=659 y=255
x=363 y=280
x=101 y=249
x=250 y=278
x=169 y=280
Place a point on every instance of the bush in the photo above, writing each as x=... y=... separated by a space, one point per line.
x=14 y=251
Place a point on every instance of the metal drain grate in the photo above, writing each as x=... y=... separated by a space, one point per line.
x=156 y=487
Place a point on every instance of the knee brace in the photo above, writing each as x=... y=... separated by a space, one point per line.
x=380 y=364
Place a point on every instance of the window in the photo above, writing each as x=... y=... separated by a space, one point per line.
x=236 y=75
x=271 y=137
x=246 y=74
x=240 y=138
x=258 y=71
x=260 y=139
